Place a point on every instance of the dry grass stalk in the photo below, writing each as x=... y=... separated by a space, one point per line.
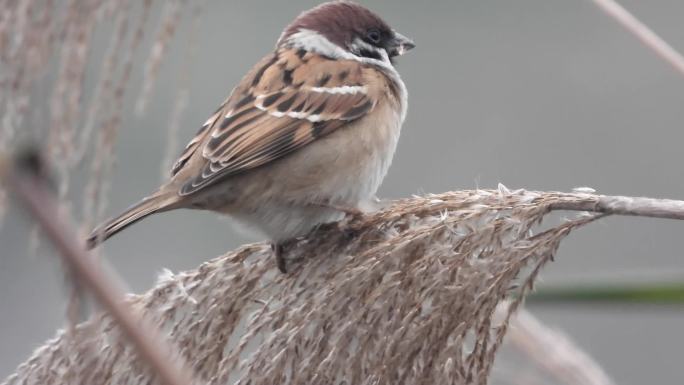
x=642 y=32
x=98 y=184
x=168 y=24
x=182 y=93
x=405 y=295
x=48 y=45
x=105 y=78
x=27 y=33
x=537 y=354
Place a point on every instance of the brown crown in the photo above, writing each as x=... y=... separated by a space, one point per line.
x=338 y=21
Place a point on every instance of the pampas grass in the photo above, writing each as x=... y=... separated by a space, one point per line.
x=46 y=42
x=420 y=292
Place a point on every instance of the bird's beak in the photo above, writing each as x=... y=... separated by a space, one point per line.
x=399 y=45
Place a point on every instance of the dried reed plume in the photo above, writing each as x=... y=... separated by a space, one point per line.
x=407 y=295
x=51 y=43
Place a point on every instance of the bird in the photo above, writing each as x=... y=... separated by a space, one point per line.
x=305 y=138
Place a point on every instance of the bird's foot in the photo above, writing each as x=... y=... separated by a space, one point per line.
x=280 y=259
x=279 y=250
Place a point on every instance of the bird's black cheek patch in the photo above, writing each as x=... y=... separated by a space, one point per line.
x=370 y=54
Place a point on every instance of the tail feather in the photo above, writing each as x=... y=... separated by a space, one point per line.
x=148 y=206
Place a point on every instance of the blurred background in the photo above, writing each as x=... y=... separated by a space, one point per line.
x=535 y=94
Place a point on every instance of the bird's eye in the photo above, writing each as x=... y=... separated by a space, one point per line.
x=373 y=35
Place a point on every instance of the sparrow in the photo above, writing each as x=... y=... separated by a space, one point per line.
x=306 y=137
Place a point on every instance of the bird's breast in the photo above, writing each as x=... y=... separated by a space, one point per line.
x=344 y=168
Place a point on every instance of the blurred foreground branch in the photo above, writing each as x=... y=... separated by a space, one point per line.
x=546 y=356
x=29 y=184
x=408 y=294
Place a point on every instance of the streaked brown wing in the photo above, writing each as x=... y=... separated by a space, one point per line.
x=288 y=103
x=194 y=143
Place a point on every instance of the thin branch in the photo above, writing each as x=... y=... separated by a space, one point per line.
x=31 y=191
x=643 y=33
x=621 y=205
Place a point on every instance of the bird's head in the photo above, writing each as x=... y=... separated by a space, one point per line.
x=343 y=29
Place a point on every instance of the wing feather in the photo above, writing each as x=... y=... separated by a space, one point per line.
x=287 y=102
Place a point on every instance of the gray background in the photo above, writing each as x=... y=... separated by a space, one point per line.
x=541 y=94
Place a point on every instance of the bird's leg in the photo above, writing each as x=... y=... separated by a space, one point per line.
x=279 y=247
x=280 y=259
x=352 y=214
